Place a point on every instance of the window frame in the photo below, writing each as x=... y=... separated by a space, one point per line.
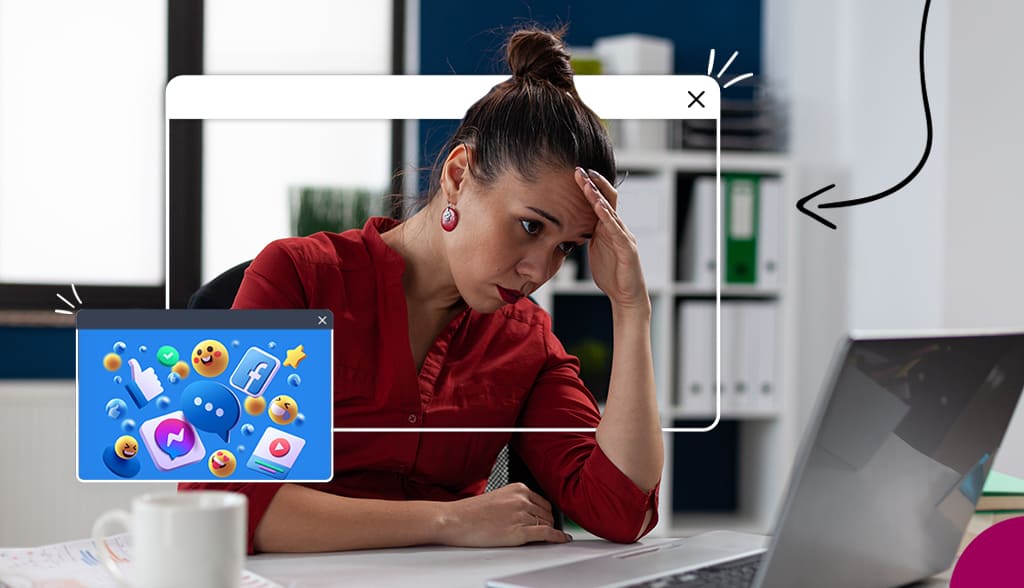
x=185 y=49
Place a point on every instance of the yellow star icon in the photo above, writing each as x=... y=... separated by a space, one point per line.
x=295 y=356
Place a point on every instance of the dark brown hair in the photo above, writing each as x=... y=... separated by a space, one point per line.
x=534 y=121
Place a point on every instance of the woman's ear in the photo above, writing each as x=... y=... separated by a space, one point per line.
x=455 y=172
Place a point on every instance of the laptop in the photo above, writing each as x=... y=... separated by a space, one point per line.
x=883 y=486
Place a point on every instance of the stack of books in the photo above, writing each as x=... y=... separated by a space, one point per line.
x=1002 y=494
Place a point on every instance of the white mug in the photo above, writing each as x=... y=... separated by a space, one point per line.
x=191 y=539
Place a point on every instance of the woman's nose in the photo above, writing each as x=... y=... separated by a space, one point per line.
x=537 y=267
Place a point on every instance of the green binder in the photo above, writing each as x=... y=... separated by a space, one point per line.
x=741 y=199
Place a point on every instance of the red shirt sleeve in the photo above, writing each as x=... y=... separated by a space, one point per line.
x=271 y=281
x=571 y=467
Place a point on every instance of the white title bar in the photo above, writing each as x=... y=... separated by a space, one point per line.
x=386 y=97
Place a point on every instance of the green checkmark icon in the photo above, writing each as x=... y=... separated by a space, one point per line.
x=167 y=355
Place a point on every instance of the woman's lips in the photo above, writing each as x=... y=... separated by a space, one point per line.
x=510 y=296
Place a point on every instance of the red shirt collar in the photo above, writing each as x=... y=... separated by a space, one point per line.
x=387 y=262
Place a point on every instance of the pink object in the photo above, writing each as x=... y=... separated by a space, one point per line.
x=992 y=558
x=449 y=218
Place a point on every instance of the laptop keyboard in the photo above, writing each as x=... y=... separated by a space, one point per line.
x=738 y=573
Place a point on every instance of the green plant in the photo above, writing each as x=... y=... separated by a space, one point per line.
x=334 y=209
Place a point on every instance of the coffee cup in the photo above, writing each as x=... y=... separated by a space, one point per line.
x=191 y=539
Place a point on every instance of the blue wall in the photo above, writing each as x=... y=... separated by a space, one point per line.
x=467 y=38
x=37 y=352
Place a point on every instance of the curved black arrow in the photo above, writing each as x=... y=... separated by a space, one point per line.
x=801 y=204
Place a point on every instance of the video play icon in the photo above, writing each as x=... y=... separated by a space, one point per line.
x=276 y=453
x=280 y=447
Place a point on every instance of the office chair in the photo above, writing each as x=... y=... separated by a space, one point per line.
x=508 y=468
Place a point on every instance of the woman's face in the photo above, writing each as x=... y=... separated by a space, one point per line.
x=513 y=235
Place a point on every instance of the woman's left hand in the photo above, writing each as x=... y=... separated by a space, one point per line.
x=614 y=259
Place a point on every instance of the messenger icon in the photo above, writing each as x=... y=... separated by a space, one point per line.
x=254 y=372
x=172 y=442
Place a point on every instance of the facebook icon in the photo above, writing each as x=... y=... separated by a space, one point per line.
x=253 y=374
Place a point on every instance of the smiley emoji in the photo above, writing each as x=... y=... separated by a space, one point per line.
x=210 y=358
x=222 y=463
x=283 y=409
x=126 y=447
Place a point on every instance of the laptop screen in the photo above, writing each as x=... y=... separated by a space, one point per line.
x=204 y=395
x=892 y=469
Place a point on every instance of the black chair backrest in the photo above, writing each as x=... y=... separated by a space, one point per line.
x=220 y=291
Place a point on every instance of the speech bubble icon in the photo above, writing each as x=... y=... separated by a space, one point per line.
x=174 y=437
x=210 y=406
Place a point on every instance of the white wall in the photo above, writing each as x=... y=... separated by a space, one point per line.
x=939 y=253
x=984 y=194
x=984 y=187
x=42 y=500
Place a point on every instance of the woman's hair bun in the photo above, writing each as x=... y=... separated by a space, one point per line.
x=538 y=54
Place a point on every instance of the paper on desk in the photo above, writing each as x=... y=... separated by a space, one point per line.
x=75 y=564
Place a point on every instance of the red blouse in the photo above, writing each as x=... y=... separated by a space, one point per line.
x=505 y=369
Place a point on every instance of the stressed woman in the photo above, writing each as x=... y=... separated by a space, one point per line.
x=431 y=329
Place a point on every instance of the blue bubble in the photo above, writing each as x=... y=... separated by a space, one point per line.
x=241 y=449
x=117 y=379
x=128 y=425
x=210 y=406
x=120 y=347
x=300 y=419
x=163 y=402
x=142 y=348
x=248 y=429
x=116 y=408
x=272 y=345
x=235 y=343
x=294 y=380
x=173 y=378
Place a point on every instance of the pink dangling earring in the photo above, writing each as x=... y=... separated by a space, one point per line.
x=449 y=218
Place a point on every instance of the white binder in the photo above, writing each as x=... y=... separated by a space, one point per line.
x=733 y=351
x=769 y=245
x=643 y=206
x=764 y=345
x=696 y=352
x=748 y=358
x=697 y=254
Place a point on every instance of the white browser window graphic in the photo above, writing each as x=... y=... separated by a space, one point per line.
x=641 y=98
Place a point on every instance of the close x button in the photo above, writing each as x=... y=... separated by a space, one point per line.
x=696 y=99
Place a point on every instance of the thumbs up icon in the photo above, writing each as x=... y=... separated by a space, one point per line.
x=145 y=384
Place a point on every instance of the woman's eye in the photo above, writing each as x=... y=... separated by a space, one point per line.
x=568 y=247
x=530 y=226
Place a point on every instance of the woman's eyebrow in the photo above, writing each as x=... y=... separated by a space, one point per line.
x=554 y=220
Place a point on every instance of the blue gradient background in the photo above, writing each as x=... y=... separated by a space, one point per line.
x=96 y=387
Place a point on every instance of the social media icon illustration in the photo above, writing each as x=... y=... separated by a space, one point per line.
x=253 y=374
x=172 y=442
x=276 y=453
x=144 y=385
x=211 y=406
x=167 y=355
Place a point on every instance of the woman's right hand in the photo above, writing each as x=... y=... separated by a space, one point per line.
x=509 y=516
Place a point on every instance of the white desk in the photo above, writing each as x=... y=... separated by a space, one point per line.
x=430 y=567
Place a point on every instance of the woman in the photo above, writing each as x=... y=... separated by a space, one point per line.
x=431 y=330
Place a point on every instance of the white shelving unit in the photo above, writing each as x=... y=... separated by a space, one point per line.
x=767 y=440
